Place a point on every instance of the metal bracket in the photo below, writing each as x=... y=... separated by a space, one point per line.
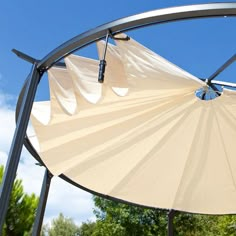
x=33 y=60
x=113 y=36
x=25 y=56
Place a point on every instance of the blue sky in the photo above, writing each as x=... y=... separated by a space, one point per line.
x=37 y=27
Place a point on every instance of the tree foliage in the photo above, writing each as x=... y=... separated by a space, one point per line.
x=87 y=228
x=117 y=219
x=21 y=210
x=120 y=219
x=62 y=226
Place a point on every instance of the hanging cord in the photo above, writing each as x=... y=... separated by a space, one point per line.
x=103 y=63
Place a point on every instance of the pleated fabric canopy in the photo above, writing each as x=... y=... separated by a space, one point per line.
x=142 y=136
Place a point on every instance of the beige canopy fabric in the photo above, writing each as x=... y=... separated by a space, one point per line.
x=142 y=136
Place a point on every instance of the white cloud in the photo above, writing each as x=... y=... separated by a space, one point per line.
x=6 y=99
x=7 y=127
x=63 y=197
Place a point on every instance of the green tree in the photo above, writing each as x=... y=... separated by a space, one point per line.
x=120 y=219
x=207 y=225
x=195 y=225
x=117 y=219
x=87 y=228
x=226 y=225
x=63 y=226
x=21 y=210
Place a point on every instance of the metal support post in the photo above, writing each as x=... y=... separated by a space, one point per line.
x=42 y=203
x=17 y=143
x=171 y=215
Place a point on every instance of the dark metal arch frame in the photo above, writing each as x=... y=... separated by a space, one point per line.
x=53 y=58
x=137 y=21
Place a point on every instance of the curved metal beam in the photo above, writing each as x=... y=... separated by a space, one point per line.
x=27 y=142
x=137 y=21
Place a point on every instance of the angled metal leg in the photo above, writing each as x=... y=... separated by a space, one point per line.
x=17 y=143
x=42 y=203
x=171 y=215
x=222 y=68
